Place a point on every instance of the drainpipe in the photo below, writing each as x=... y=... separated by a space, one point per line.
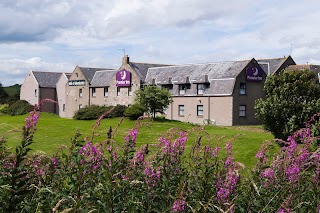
x=209 y=108
x=89 y=93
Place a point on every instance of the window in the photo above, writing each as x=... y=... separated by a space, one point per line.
x=242 y=110
x=167 y=86
x=200 y=89
x=93 y=92
x=199 y=110
x=80 y=106
x=182 y=89
x=181 y=110
x=63 y=107
x=129 y=91
x=35 y=93
x=106 y=91
x=118 y=91
x=80 y=92
x=243 y=88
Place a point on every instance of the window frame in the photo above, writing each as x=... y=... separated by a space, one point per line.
x=201 y=89
x=181 y=110
x=200 y=110
x=243 y=89
x=106 y=91
x=129 y=91
x=93 y=92
x=182 y=89
x=242 y=110
x=80 y=93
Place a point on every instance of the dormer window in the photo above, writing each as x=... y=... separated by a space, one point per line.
x=200 y=89
x=182 y=89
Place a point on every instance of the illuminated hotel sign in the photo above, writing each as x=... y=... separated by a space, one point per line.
x=254 y=74
x=77 y=82
x=123 y=78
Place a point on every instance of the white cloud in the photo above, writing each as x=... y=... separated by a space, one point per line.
x=56 y=35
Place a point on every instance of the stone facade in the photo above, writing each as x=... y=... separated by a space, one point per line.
x=29 y=90
x=218 y=93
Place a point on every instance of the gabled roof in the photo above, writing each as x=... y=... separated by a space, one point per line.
x=103 y=78
x=272 y=65
x=68 y=75
x=142 y=68
x=221 y=76
x=311 y=67
x=89 y=72
x=47 y=79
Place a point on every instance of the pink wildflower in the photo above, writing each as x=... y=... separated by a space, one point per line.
x=178 y=205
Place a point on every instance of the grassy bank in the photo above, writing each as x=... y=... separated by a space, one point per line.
x=54 y=132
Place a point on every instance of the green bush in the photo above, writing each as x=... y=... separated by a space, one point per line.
x=90 y=112
x=134 y=111
x=4 y=109
x=118 y=111
x=20 y=107
x=94 y=112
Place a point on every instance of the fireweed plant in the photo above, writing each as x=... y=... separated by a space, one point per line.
x=114 y=176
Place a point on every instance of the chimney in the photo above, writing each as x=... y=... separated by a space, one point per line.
x=125 y=59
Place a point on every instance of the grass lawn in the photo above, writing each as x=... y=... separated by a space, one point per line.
x=54 y=131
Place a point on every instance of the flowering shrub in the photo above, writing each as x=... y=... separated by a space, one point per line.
x=167 y=177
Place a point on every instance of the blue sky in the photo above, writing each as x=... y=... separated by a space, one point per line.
x=57 y=35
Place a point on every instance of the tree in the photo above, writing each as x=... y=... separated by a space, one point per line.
x=3 y=95
x=291 y=99
x=153 y=99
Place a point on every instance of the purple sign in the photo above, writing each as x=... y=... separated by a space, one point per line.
x=254 y=74
x=123 y=78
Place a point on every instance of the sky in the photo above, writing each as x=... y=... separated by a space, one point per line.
x=58 y=35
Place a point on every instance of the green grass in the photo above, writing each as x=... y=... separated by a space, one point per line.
x=54 y=132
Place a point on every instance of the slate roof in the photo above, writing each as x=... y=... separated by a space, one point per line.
x=102 y=78
x=89 y=72
x=142 y=68
x=221 y=76
x=315 y=68
x=273 y=63
x=47 y=79
x=68 y=75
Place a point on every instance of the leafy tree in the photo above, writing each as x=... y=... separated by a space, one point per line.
x=153 y=98
x=3 y=95
x=291 y=99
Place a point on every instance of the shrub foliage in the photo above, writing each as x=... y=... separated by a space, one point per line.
x=134 y=111
x=170 y=177
x=20 y=107
x=94 y=112
x=292 y=97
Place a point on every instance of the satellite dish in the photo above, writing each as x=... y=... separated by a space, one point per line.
x=256 y=71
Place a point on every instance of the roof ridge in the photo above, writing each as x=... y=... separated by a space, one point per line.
x=198 y=64
x=96 y=68
x=47 y=72
x=149 y=63
x=260 y=59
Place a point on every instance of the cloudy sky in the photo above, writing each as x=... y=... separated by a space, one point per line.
x=57 y=35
